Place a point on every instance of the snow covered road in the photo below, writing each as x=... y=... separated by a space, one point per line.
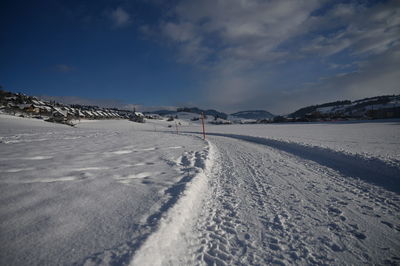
x=269 y=206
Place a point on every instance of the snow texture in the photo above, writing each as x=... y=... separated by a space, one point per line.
x=87 y=195
x=117 y=193
x=271 y=206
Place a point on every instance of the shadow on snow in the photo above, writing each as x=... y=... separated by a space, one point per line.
x=371 y=170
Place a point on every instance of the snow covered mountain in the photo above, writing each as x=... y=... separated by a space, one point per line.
x=387 y=106
x=254 y=114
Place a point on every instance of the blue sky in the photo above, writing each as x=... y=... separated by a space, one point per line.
x=229 y=55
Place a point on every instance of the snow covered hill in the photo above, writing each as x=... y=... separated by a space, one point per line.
x=375 y=107
x=114 y=192
x=256 y=115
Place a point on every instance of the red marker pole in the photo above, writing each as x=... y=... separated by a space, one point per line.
x=202 y=122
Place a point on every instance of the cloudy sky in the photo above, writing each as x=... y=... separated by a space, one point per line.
x=276 y=55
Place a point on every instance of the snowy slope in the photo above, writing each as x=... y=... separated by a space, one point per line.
x=358 y=108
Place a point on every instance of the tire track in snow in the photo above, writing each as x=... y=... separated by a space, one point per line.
x=267 y=206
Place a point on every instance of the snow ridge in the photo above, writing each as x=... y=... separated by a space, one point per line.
x=169 y=242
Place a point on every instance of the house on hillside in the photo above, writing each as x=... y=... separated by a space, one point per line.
x=45 y=110
x=32 y=109
x=61 y=116
x=220 y=121
x=23 y=106
x=137 y=117
x=59 y=113
x=393 y=112
x=153 y=116
x=79 y=113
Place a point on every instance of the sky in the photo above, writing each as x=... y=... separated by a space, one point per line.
x=230 y=55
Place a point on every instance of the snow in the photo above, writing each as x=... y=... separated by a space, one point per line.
x=167 y=244
x=324 y=193
x=333 y=109
x=266 y=206
x=85 y=194
x=115 y=192
x=379 y=139
x=342 y=108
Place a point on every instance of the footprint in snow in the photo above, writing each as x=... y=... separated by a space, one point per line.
x=126 y=179
x=143 y=163
x=387 y=223
x=358 y=235
x=135 y=176
x=366 y=207
x=334 y=211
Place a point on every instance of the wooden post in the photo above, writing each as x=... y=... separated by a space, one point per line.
x=202 y=122
x=176 y=126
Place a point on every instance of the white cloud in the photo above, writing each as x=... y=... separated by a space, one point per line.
x=379 y=75
x=119 y=17
x=362 y=30
x=240 y=43
x=184 y=35
x=242 y=29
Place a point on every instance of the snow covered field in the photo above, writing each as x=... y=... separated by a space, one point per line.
x=118 y=192
x=373 y=139
x=91 y=193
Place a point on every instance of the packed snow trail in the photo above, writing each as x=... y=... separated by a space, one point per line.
x=267 y=206
x=168 y=244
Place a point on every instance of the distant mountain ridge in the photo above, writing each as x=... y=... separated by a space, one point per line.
x=312 y=108
x=161 y=112
x=194 y=110
x=385 y=106
x=254 y=114
x=249 y=114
